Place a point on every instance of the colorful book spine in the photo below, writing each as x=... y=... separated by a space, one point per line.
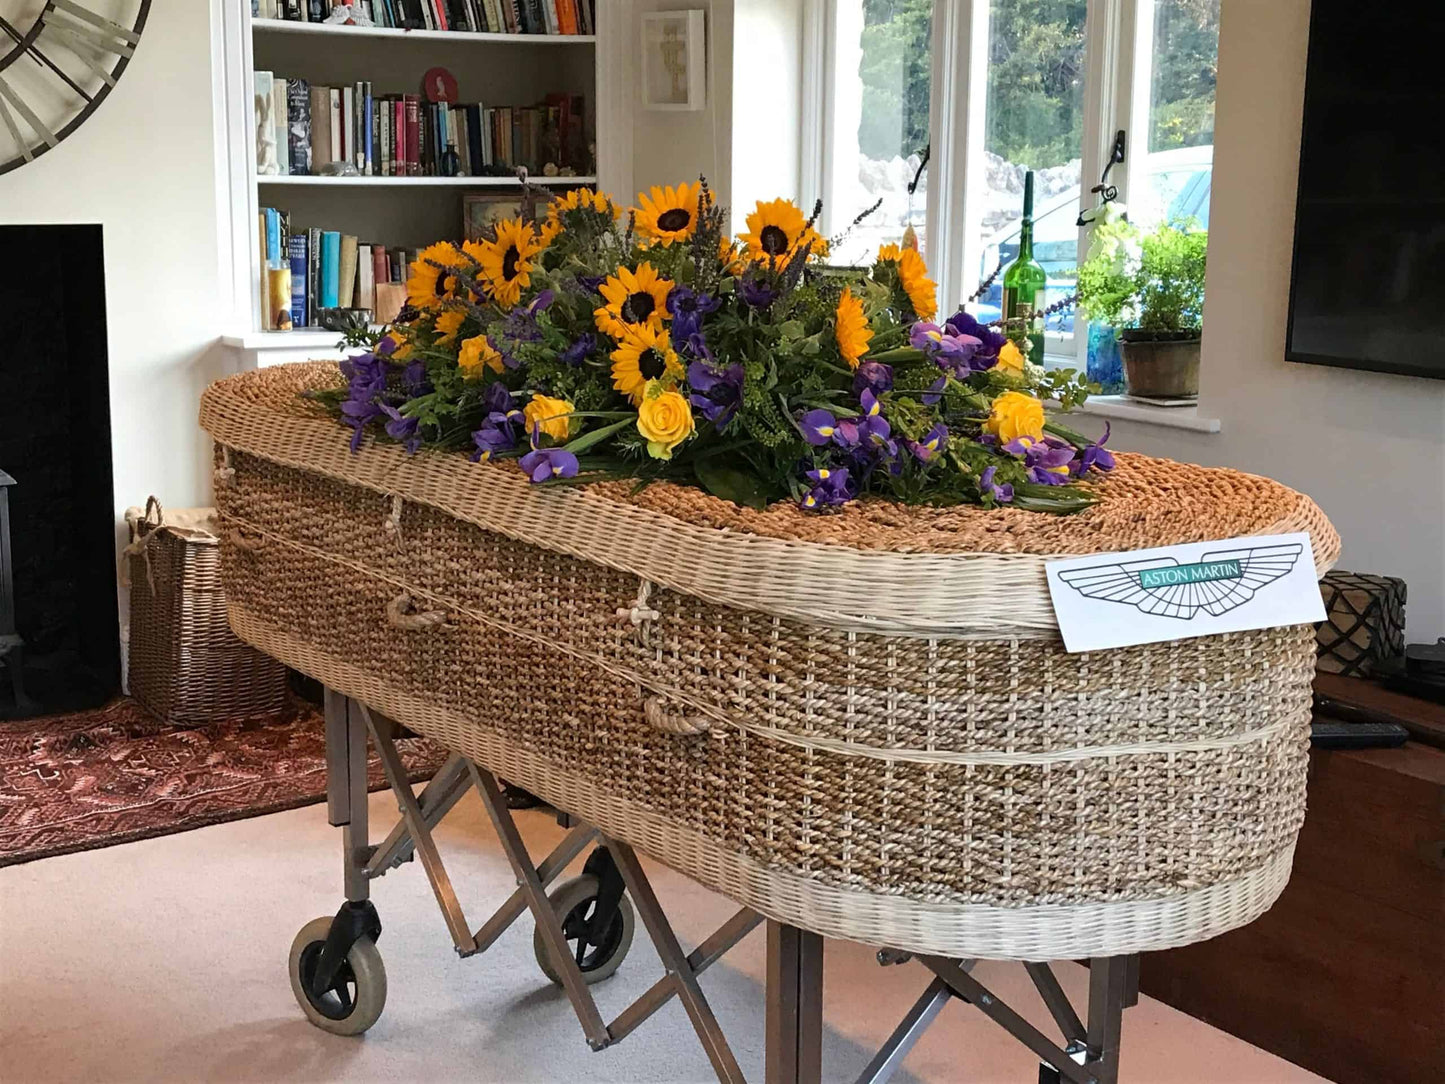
x=298 y=124
x=273 y=237
x=313 y=275
x=330 y=268
x=296 y=251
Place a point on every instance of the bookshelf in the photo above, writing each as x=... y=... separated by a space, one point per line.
x=405 y=212
x=422 y=182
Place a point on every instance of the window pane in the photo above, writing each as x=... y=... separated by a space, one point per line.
x=879 y=122
x=1182 y=66
x=1033 y=119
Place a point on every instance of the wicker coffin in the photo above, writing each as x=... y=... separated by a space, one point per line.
x=863 y=724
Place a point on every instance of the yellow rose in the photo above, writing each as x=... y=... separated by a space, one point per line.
x=549 y=415
x=666 y=421
x=1011 y=359
x=1016 y=415
x=476 y=352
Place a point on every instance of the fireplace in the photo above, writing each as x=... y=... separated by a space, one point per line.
x=61 y=651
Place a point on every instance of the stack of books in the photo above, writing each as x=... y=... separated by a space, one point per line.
x=406 y=136
x=328 y=269
x=467 y=16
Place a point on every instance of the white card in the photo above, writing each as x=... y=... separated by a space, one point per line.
x=1150 y=596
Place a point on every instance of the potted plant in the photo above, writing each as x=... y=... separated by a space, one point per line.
x=1150 y=287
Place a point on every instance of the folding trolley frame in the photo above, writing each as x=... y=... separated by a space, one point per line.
x=794 y=1019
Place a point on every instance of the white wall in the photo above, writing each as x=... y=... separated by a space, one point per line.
x=1370 y=448
x=144 y=167
x=672 y=147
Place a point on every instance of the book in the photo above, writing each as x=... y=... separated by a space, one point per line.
x=346 y=272
x=279 y=105
x=320 y=128
x=330 y=268
x=348 y=123
x=338 y=146
x=273 y=236
x=365 y=279
x=474 y=138
x=296 y=251
x=313 y=275
x=380 y=268
x=267 y=159
x=298 y=124
x=413 y=134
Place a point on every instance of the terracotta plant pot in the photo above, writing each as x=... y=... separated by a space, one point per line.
x=1160 y=367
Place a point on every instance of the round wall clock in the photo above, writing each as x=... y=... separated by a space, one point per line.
x=58 y=61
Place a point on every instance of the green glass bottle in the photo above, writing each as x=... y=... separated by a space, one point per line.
x=1024 y=281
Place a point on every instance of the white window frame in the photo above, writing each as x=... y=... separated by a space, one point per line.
x=1116 y=92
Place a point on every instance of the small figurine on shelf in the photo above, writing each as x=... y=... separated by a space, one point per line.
x=349 y=15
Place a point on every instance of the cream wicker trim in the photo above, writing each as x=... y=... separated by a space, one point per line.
x=1043 y=931
x=835 y=746
x=916 y=594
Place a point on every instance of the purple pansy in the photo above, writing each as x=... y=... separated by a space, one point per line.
x=1047 y=460
x=1003 y=493
x=544 y=463
x=829 y=488
x=1095 y=455
x=755 y=293
x=932 y=443
x=873 y=428
x=717 y=394
x=500 y=429
x=688 y=307
x=818 y=427
x=935 y=391
x=961 y=323
x=402 y=429
x=873 y=375
x=575 y=354
x=951 y=351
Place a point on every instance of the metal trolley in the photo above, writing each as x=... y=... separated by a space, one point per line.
x=584 y=929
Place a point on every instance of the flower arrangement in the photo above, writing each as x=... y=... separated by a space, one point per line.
x=599 y=343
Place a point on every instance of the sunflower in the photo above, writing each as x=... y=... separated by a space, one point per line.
x=922 y=291
x=583 y=199
x=778 y=229
x=429 y=286
x=506 y=263
x=448 y=323
x=645 y=355
x=669 y=214
x=852 y=332
x=476 y=352
x=634 y=300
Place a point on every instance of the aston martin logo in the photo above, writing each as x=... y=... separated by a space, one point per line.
x=1161 y=586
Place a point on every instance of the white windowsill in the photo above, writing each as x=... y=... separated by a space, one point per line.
x=1124 y=409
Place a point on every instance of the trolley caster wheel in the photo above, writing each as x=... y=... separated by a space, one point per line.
x=573 y=901
x=358 y=994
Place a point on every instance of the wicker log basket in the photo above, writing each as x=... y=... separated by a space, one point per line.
x=863 y=724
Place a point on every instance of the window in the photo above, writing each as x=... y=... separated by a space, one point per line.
x=878 y=121
x=996 y=87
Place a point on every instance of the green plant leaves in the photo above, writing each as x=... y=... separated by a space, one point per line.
x=731 y=484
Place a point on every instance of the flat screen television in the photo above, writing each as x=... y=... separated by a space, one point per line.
x=1368 y=285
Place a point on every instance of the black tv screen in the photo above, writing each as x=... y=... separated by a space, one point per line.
x=1368 y=286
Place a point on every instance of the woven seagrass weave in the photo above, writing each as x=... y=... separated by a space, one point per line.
x=971 y=795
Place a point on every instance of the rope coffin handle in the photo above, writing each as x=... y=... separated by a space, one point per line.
x=400 y=616
x=392 y=523
x=225 y=473
x=640 y=611
x=654 y=710
x=238 y=538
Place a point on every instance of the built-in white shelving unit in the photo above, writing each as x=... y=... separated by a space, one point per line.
x=400 y=212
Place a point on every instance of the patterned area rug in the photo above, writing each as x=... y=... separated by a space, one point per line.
x=97 y=778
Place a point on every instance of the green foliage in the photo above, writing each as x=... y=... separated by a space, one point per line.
x=1153 y=281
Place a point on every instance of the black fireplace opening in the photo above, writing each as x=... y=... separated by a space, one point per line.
x=59 y=620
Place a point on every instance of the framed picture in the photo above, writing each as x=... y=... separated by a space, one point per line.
x=674 y=60
x=483 y=209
